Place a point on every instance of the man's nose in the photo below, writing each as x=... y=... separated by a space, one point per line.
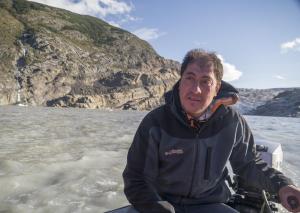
x=196 y=88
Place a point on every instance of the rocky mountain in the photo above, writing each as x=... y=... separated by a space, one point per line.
x=283 y=102
x=250 y=99
x=53 y=57
x=286 y=103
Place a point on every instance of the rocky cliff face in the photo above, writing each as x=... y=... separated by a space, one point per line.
x=52 y=57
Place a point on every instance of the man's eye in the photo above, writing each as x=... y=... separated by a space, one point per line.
x=189 y=78
x=207 y=82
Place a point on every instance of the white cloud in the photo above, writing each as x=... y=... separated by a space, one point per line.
x=148 y=33
x=291 y=45
x=98 y=8
x=279 y=77
x=231 y=73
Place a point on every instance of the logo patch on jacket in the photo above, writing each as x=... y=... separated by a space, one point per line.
x=174 y=152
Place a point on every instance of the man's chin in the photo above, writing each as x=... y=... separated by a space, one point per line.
x=195 y=113
x=194 y=109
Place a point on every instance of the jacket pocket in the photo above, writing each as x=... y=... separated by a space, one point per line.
x=207 y=163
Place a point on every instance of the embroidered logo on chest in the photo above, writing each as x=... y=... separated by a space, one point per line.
x=174 y=152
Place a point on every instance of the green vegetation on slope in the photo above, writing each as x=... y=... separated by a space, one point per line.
x=36 y=17
x=10 y=30
x=22 y=6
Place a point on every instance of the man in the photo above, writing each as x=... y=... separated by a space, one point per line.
x=177 y=161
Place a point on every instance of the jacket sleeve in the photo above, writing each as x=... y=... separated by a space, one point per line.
x=248 y=165
x=141 y=172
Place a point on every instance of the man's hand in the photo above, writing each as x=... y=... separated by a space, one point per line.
x=290 y=198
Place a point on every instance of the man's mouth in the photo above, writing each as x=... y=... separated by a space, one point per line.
x=194 y=99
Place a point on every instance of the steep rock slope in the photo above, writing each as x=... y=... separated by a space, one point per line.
x=52 y=57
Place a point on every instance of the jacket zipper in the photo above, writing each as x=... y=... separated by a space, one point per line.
x=194 y=169
x=196 y=157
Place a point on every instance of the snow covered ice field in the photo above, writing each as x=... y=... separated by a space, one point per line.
x=71 y=160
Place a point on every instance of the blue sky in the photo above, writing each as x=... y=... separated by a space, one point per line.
x=258 y=41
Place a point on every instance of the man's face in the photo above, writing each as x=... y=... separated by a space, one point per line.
x=197 y=88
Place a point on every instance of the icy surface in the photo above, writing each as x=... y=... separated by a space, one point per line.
x=71 y=160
